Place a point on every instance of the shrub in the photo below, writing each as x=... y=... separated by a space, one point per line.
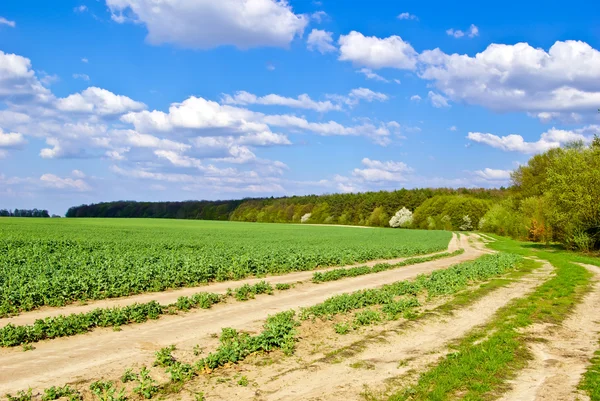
x=402 y=218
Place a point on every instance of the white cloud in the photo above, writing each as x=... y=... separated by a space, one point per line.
x=204 y=24
x=78 y=174
x=11 y=139
x=493 y=174
x=303 y=101
x=415 y=98
x=319 y=16
x=437 y=100
x=452 y=128
x=83 y=77
x=377 y=171
x=18 y=81
x=99 y=101
x=520 y=77
x=84 y=60
x=367 y=94
x=457 y=33
x=553 y=138
x=54 y=181
x=407 y=16
x=321 y=41
x=4 y=21
x=397 y=81
x=371 y=75
x=373 y=52
x=80 y=9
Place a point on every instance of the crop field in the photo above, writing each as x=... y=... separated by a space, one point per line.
x=56 y=262
x=115 y=310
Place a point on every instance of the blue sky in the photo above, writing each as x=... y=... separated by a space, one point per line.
x=195 y=99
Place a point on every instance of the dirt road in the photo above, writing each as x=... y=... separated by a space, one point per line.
x=105 y=353
x=563 y=353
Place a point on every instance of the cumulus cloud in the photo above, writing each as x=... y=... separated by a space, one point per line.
x=4 y=21
x=407 y=16
x=376 y=170
x=367 y=72
x=100 y=101
x=520 y=77
x=493 y=174
x=321 y=41
x=204 y=24
x=302 y=101
x=457 y=33
x=11 y=139
x=373 y=52
x=54 y=181
x=18 y=81
x=553 y=138
x=437 y=100
x=415 y=98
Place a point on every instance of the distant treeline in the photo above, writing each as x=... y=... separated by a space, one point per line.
x=24 y=213
x=201 y=210
x=368 y=208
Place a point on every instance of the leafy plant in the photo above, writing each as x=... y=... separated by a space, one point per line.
x=342 y=328
x=146 y=385
x=243 y=381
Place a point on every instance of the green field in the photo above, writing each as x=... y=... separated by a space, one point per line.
x=55 y=262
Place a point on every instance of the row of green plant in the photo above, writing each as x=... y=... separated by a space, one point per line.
x=338 y=274
x=440 y=282
x=54 y=262
x=77 y=323
x=482 y=362
x=279 y=332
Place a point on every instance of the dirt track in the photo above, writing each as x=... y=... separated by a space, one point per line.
x=563 y=355
x=168 y=297
x=105 y=353
x=418 y=345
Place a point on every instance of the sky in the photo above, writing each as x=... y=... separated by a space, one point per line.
x=157 y=100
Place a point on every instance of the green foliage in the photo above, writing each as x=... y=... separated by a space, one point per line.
x=128 y=376
x=282 y=286
x=243 y=381
x=246 y=291
x=279 y=333
x=54 y=393
x=338 y=274
x=444 y=212
x=164 y=357
x=106 y=391
x=21 y=396
x=439 y=282
x=368 y=208
x=341 y=328
x=591 y=378
x=53 y=262
x=366 y=317
x=146 y=385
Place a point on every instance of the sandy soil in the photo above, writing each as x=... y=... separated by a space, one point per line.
x=562 y=357
x=389 y=353
x=105 y=353
x=168 y=297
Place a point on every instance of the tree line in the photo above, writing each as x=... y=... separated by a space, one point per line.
x=554 y=198
x=24 y=213
x=201 y=210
